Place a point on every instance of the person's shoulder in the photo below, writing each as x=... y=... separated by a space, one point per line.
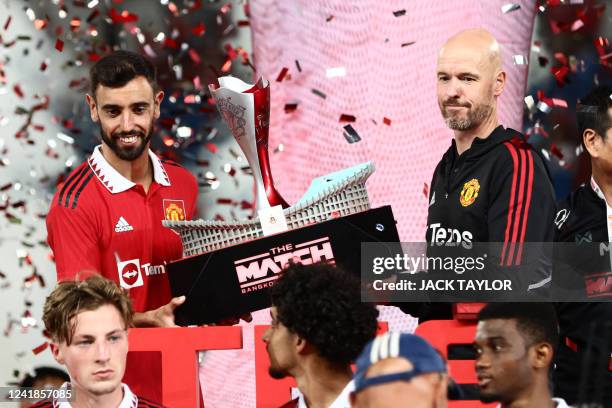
x=577 y=200
x=178 y=173
x=77 y=185
x=146 y=403
x=46 y=403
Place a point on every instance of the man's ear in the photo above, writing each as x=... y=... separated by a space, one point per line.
x=301 y=344
x=500 y=82
x=93 y=111
x=159 y=97
x=591 y=141
x=542 y=355
x=57 y=353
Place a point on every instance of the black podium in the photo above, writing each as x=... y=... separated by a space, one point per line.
x=235 y=280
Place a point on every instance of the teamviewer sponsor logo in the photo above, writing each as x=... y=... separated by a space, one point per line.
x=260 y=271
x=129 y=274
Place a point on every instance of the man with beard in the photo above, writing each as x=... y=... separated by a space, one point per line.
x=319 y=326
x=107 y=215
x=514 y=345
x=88 y=322
x=490 y=185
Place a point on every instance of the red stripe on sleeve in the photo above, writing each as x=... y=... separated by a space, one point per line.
x=527 y=205
x=512 y=151
x=519 y=209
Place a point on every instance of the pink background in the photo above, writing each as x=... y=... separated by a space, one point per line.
x=382 y=79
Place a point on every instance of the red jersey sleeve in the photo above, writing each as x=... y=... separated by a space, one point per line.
x=73 y=237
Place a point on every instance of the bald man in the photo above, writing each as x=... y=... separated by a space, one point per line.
x=490 y=185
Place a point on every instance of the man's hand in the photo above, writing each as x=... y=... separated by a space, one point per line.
x=160 y=317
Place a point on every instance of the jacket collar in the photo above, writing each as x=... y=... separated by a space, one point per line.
x=115 y=182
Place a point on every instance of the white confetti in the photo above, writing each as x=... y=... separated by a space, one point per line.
x=92 y=4
x=30 y=14
x=65 y=138
x=519 y=59
x=335 y=72
x=509 y=7
x=529 y=101
x=183 y=131
x=544 y=107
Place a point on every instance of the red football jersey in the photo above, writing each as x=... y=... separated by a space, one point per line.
x=101 y=221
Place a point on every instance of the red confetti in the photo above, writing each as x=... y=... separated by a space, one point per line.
x=40 y=24
x=169 y=42
x=59 y=45
x=225 y=201
x=562 y=58
x=195 y=57
x=425 y=190
x=282 y=74
x=123 y=17
x=560 y=74
x=244 y=23
x=555 y=151
x=290 y=107
x=92 y=56
x=231 y=52
x=93 y=15
x=75 y=23
x=18 y=91
x=347 y=118
x=227 y=7
x=43 y=66
x=41 y=348
x=199 y=30
x=387 y=121
x=227 y=65
x=211 y=147
x=8 y=22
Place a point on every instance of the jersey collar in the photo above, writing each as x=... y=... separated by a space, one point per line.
x=115 y=182
x=130 y=400
x=598 y=191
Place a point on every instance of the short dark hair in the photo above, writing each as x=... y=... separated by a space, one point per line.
x=592 y=111
x=537 y=322
x=69 y=298
x=322 y=304
x=117 y=69
x=43 y=373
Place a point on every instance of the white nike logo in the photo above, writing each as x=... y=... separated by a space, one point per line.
x=123 y=226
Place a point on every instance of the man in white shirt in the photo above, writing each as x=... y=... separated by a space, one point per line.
x=319 y=326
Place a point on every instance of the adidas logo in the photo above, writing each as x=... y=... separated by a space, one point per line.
x=123 y=226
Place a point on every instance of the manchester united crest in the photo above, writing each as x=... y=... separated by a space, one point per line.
x=174 y=210
x=469 y=192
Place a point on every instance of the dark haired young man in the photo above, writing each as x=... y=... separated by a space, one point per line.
x=107 y=215
x=88 y=323
x=583 y=372
x=319 y=326
x=515 y=344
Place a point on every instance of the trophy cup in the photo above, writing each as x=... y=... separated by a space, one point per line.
x=229 y=265
x=246 y=110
